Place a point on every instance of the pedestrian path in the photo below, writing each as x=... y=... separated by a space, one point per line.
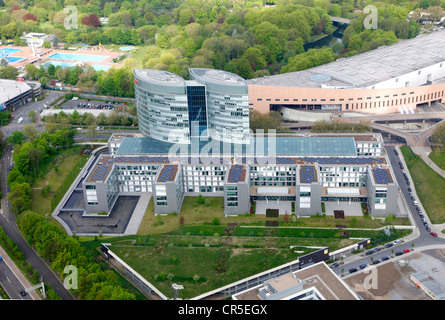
x=138 y=213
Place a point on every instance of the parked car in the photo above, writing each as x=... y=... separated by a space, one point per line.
x=388 y=245
x=363 y=266
x=406 y=251
x=369 y=252
x=376 y=261
x=398 y=253
x=432 y=233
x=385 y=258
x=335 y=265
x=396 y=242
x=352 y=270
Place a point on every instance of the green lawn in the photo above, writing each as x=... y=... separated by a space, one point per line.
x=429 y=186
x=438 y=158
x=68 y=164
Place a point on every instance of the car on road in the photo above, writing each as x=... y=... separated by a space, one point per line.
x=398 y=253
x=385 y=258
x=406 y=251
x=335 y=265
x=363 y=266
x=0 y=258
x=23 y=293
x=432 y=233
x=352 y=270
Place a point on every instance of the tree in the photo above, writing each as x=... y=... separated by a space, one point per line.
x=17 y=137
x=33 y=115
x=9 y=72
x=29 y=16
x=92 y=21
x=31 y=70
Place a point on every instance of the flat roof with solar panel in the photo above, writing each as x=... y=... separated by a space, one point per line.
x=167 y=173
x=236 y=174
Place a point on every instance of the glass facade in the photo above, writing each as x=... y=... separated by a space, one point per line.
x=196 y=99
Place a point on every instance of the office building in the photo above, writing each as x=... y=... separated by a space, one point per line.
x=299 y=169
x=213 y=103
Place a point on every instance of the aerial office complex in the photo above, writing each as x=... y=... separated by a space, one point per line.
x=179 y=153
x=390 y=79
x=303 y=170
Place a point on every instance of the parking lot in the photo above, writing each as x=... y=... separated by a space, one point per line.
x=94 y=104
x=390 y=280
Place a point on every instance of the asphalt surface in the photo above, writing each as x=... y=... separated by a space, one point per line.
x=10 y=282
x=424 y=238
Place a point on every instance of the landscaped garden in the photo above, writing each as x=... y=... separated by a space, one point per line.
x=203 y=250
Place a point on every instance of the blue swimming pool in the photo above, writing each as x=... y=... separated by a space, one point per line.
x=64 y=64
x=77 y=57
x=14 y=59
x=8 y=51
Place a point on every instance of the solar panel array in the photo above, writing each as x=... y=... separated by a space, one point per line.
x=307 y=174
x=101 y=171
x=160 y=159
x=168 y=173
x=337 y=160
x=319 y=160
x=381 y=176
x=237 y=173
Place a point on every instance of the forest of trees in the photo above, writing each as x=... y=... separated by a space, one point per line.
x=248 y=38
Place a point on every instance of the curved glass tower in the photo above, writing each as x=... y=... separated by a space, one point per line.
x=227 y=104
x=212 y=104
x=161 y=99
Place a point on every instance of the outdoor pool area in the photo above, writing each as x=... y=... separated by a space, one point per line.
x=127 y=48
x=7 y=51
x=78 y=57
x=14 y=59
x=64 y=64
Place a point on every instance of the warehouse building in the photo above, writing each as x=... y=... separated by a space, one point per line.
x=390 y=79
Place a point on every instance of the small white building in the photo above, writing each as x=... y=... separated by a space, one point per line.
x=34 y=39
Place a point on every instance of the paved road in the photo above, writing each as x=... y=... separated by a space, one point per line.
x=7 y=221
x=421 y=238
x=38 y=106
x=10 y=282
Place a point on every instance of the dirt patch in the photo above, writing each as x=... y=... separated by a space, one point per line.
x=390 y=281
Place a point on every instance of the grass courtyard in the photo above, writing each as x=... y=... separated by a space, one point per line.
x=202 y=252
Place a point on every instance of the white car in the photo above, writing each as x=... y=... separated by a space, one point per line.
x=396 y=242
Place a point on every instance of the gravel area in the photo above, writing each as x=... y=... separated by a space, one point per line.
x=390 y=281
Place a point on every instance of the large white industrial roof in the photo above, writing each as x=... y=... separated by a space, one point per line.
x=368 y=68
x=10 y=89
